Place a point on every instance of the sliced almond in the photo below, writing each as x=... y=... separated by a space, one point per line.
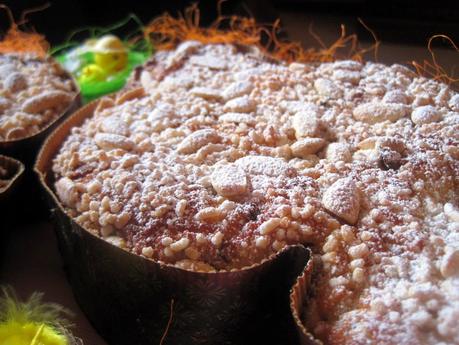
x=454 y=102
x=238 y=89
x=375 y=112
x=4 y=104
x=237 y=118
x=263 y=165
x=198 y=139
x=110 y=141
x=395 y=96
x=104 y=103
x=229 y=180
x=45 y=101
x=307 y=146
x=342 y=199
x=206 y=93
x=129 y=95
x=67 y=191
x=368 y=143
x=240 y=105
x=347 y=76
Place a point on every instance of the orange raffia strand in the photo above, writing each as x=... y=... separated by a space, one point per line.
x=375 y=46
x=166 y=32
x=17 y=41
x=432 y=69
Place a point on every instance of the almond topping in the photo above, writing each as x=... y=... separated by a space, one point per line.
x=229 y=180
x=379 y=112
x=343 y=200
x=198 y=139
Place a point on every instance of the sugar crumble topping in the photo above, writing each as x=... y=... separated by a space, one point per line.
x=34 y=91
x=217 y=157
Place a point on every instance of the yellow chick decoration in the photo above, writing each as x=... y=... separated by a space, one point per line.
x=32 y=322
x=15 y=333
x=110 y=54
x=92 y=73
x=110 y=57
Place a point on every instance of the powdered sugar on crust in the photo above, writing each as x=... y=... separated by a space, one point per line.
x=229 y=157
x=34 y=91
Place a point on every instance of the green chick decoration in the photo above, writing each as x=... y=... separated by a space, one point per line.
x=33 y=322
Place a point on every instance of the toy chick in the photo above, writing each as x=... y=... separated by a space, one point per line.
x=110 y=57
x=32 y=322
x=110 y=54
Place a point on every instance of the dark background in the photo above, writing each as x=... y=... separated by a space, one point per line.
x=403 y=27
x=403 y=21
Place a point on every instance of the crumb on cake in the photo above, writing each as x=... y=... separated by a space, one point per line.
x=34 y=91
x=226 y=157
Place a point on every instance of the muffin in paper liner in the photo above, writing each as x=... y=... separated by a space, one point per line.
x=134 y=300
x=25 y=150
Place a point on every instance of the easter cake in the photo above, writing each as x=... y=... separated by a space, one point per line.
x=217 y=157
x=34 y=92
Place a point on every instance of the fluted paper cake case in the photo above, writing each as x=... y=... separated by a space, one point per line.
x=299 y=295
x=10 y=183
x=14 y=171
x=134 y=300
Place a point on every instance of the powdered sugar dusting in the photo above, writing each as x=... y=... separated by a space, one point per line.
x=191 y=179
x=263 y=165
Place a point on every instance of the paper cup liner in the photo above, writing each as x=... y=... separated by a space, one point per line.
x=134 y=300
x=14 y=171
x=299 y=296
x=8 y=187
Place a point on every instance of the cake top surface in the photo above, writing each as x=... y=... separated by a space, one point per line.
x=34 y=91
x=223 y=157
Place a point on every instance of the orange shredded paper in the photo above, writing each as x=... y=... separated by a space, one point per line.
x=17 y=41
x=166 y=32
